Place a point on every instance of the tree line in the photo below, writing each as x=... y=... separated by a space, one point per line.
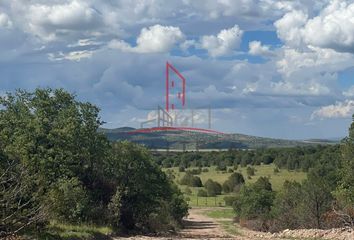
x=296 y=158
x=55 y=165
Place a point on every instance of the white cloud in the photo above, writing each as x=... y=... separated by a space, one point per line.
x=349 y=92
x=155 y=39
x=224 y=43
x=50 y=21
x=338 y=110
x=5 y=21
x=256 y=48
x=73 y=56
x=332 y=28
x=314 y=59
x=289 y=27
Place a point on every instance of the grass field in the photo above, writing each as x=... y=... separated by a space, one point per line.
x=276 y=179
x=57 y=230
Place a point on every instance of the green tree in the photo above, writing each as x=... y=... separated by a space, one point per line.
x=233 y=182
x=345 y=189
x=213 y=188
x=255 y=201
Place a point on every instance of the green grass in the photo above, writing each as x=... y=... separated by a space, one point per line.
x=276 y=179
x=57 y=230
x=221 y=213
x=224 y=216
x=229 y=227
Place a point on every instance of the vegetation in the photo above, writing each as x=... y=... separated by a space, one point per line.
x=55 y=165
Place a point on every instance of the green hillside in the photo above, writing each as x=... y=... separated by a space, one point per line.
x=192 y=140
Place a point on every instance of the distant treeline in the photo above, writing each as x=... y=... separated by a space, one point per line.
x=297 y=158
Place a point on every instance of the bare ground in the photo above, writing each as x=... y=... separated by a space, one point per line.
x=200 y=226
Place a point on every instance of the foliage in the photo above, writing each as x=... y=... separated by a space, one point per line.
x=345 y=190
x=250 y=171
x=190 y=180
x=68 y=201
x=52 y=154
x=255 y=201
x=213 y=188
x=233 y=182
x=202 y=193
x=19 y=205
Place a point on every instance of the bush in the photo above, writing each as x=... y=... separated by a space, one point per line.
x=188 y=191
x=202 y=193
x=250 y=171
x=68 y=201
x=213 y=188
x=229 y=200
x=190 y=180
x=205 y=170
x=181 y=169
x=233 y=183
x=255 y=201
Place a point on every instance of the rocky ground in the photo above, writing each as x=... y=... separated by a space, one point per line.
x=199 y=226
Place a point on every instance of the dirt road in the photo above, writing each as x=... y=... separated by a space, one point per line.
x=200 y=226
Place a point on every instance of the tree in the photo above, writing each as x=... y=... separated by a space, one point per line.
x=287 y=206
x=190 y=180
x=142 y=191
x=213 y=188
x=250 y=171
x=19 y=203
x=233 y=182
x=345 y=189
x=255 y=201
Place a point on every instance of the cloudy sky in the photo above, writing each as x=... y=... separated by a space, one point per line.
x=268 y=68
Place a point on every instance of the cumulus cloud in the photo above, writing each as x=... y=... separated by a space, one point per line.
x=332 y=28
x=256 y=48
x=338 y=110
x=5 y=21
x=154 y=39
x=289 y=27
x=51 y=21
x=224 y=43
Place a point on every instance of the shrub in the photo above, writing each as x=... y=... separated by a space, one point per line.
x=190 y=180
x=202 y=193
x=188 y=191
x=68 y=201
x=229 y=200
x=254 y=201
x=213 y=188
x=250 y=171
x=233 y=182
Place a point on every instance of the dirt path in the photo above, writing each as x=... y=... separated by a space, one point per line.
x=198 y=225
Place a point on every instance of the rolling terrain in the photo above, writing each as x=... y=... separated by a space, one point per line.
x=196 y=140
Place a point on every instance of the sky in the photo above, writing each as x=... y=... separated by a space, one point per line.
x=282 y=69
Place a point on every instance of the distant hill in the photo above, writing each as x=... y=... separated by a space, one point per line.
x=194 y=140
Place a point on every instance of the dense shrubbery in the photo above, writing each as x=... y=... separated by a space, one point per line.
x=55 y=165
x=191 y=180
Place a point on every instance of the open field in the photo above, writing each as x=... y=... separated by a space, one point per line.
x=276 y=179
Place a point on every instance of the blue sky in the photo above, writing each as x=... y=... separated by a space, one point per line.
x=269 y=68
